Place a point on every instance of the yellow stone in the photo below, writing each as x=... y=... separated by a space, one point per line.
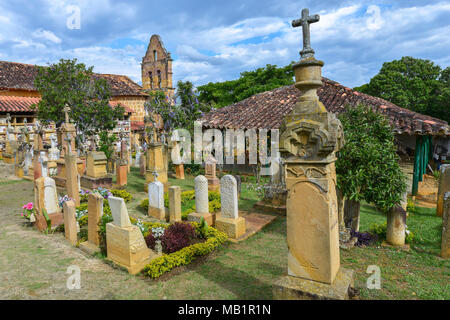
x=127 y=247
x=233 y=228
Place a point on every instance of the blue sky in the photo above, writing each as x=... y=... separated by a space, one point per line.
x=217 y=40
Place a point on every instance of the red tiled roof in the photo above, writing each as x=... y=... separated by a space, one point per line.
x=17 y=104
x=20 y=76
x=137 y=125
x=23 y=104
x=268 y=109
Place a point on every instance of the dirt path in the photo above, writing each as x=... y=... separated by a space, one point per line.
x=34 y=265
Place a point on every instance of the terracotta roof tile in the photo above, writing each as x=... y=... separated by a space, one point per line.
x=20 y=76
x=23 y=104
x=268 y=109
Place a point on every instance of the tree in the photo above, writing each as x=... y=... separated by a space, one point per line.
x=367 y=167
x=181 y=115
x=72 y=84
x=221 y=94
x=415 y=84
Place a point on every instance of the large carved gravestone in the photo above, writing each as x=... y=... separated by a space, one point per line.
x=310 y=136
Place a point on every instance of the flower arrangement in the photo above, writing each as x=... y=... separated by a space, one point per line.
x=105 y=193
x=28 y=211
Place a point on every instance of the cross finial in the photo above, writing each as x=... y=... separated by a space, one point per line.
x=69 y=143
x=155 y=174
x=304 y=22
x=66 y=113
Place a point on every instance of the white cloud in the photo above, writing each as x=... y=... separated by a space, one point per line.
x=46 y=35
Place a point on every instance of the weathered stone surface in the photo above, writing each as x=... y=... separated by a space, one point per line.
x=179 y=171
x=201 y=194
x=155 y=163
x=119 y=212
x=96 y=164
x=70 y=222
x=232 y=227
x=396 y=226
x=122 y=174
x=126 y=247
x=228 y=197
x=197 y=217
x=50 y=196
x=142 y=165
x=156 y=200
x=174 y=203
x=294 y=288
x=73 y=190
x=444 y=186
x=445 y=243
x=45 y=198
x=95 y=213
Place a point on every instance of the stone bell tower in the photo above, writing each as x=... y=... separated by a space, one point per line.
x=156 y=68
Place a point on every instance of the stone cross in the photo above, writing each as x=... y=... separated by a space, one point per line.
x=68 y=139
x=66 y=114
x=304 y=22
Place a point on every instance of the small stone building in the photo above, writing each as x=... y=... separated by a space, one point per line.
x=268 y=109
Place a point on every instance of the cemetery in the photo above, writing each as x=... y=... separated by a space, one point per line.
x=123 y=200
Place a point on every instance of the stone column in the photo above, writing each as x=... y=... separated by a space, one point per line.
x=95 y=213
x=70 y=222
x=229 y=221
x=72 y=177
x=210 y=174
x=396 y=226
x=201 y=202
x=179 y=171
x=445 y=244
x=309 y=138
x=444 y=186
x=174 y=204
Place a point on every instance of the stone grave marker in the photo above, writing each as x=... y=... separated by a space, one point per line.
x=201 y=202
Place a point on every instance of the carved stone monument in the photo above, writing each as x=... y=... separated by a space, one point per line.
x=310 y=136
x=210 y=174
x=46 y=203
x=201 y=202
x=125 y=243
x=444 y=186
x=96 y=174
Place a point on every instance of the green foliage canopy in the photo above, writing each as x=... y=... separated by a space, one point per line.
x=415 y=84
x=367 y=167
x=270 y=77
x=72 y=84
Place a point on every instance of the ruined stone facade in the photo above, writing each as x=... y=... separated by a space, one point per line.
x=156 y=68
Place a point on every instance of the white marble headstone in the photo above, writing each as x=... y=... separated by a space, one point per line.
x=119 y=212
x=156 y=195
x=201 y=194
x=50 y=196
x=228 y=197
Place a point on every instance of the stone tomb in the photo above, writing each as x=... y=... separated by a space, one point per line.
x=46 y=198
x=125 y=243
x=229 y=221
x=155 y=163
x=96 y=174
x=201 y=202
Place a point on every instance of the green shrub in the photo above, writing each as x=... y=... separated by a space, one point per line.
x=410 y=207
x=125 y=195
x=167 y=262
x=193 y=169
x=379 y=229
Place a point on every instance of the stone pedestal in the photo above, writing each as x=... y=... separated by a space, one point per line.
x=294 y=288
x=126 y=247
x=142 y=166
x=96 y=174
x=19 y=172
x=444 y=186
x=179 y=171
x=156 y=207
x=155 y=163
x=201 y=202
x=233 y=228
x=122 y=174
x=396 y=226
x=174 y=204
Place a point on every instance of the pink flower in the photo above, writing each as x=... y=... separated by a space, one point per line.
x=29 y=206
